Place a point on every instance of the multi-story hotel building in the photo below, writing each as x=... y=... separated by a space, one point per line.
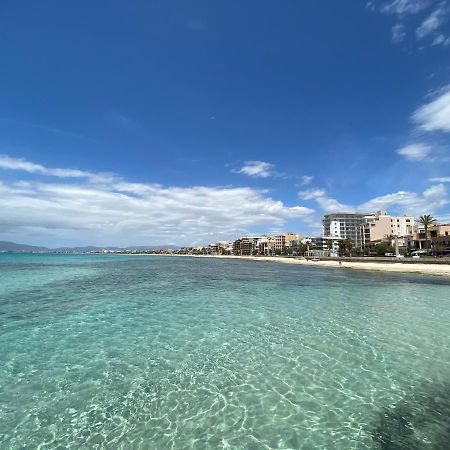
x=344 y=226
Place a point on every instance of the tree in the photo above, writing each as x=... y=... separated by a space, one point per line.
x=383 y=248
x=426 y=220
x=345 y=247
x=389 y=238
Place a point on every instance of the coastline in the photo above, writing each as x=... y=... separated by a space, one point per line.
x=442 y=270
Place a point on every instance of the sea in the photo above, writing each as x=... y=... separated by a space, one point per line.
x=156 y=352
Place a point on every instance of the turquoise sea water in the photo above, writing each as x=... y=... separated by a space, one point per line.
x=147 y=352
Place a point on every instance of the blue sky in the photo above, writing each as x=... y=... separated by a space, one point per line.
x=186 y=122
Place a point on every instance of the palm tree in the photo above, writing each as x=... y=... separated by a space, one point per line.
x=389 y=238
x=345 y=247
x=426 y=220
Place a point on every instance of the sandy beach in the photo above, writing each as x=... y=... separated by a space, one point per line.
x=419 y=268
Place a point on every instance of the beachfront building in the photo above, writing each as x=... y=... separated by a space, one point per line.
x=285 y=240
x=378 y=227
x=438 y=237
x=344 y=226
x=248 y=245
x=266 y=245
x=220 y=248
x=327 y=245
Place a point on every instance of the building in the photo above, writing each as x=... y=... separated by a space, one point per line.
x=237 y=247
x=247 y=245
x=329 y=246
x=285 y=240
x=266 y=245
x=344 y=226
x=438 y=237
x=220 y=248
x=377 y=227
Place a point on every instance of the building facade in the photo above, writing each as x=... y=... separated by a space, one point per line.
x=438 y=237
x=378 y=227
x=285 y=240
x=344 y=226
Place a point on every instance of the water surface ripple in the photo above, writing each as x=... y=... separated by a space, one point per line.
x=129 y=352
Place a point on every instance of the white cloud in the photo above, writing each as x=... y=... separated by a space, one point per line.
x=327 y=204
x=440 y=180
x=398 y=33
x=402 y=202
x=257 y=169
x=312 y=194
x=415 y=152
x=10 y=163
x=430 y=200
x=402 y=7
x=435 y=115
x=123 y=213
x=307 y=179
x=432 y=22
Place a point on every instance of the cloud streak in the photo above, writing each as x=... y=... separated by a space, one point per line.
x=433 y=22
x=435 y=115
x=415 y=152
x=11 y=163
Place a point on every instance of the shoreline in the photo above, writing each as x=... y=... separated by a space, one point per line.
x=441 y=270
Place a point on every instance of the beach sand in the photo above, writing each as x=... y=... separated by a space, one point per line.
x=426 y=269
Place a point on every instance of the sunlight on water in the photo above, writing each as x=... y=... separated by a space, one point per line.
x=156 y=352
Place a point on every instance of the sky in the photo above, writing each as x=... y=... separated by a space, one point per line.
x=187 y=122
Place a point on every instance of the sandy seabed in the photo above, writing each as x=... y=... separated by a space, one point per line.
x=426 y=269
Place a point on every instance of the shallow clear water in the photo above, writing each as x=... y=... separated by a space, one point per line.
x=156 y=352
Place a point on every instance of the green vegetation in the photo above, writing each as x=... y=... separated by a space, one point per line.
x=345 y=247
x=426 y=220
x=383 y=248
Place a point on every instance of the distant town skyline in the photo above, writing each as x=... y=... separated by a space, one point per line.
x=163 y=123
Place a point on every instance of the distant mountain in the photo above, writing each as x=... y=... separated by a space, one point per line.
x=13 y=247
x=6 y=246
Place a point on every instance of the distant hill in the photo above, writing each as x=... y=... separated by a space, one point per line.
x=6 y=246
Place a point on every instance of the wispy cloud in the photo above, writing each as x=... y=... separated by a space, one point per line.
x=11 y=163
x=326 y=203
x=307 y=179
x=402 y=7
x=398 y=33
x=435 y=115
x=415 y=152
x=432 y=23
x=122 y=213
x=312 y=194
x=440 y=180
x=257 y=169
x=440 y=39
